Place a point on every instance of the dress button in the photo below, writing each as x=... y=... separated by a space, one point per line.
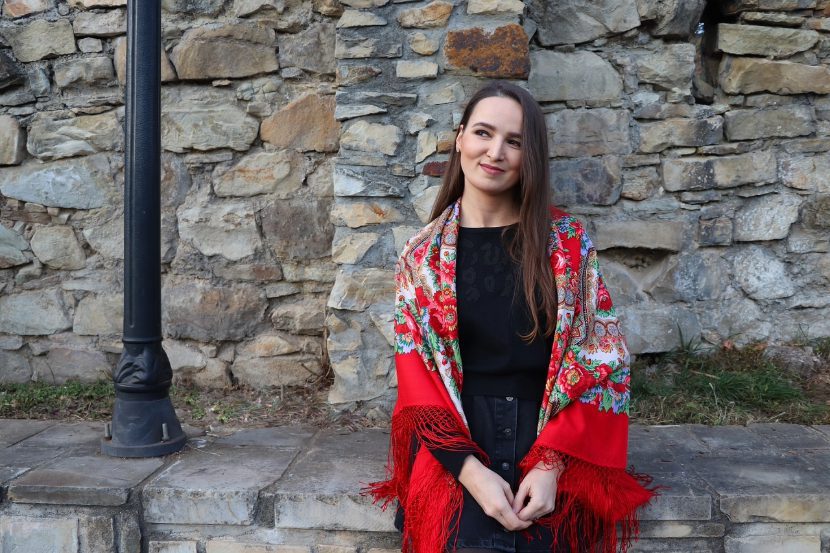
x=509 y=398
x=508 y=431
x=505 y=466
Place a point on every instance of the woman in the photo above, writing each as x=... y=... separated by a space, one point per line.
x=510 y=429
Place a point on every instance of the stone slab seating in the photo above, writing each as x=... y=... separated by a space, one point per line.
x=296 y=489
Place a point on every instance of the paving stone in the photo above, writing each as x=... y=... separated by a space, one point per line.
x=172 y=547
x=683 y=498
x=221 y=486
x=38 y=535
x=282 y=436
x=790 y=436
x=84 y=480
x=764 y=486
x=676 y=546
x=726 y=439
x=19 y=456
x=15 y=430
x=309 y=497
x=68 y=435
x=680 y=529
x=772 y=544
x=228 y=546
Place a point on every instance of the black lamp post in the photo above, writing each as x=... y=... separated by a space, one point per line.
x=144 y=423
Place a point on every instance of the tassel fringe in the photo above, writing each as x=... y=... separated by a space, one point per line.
x=591 y=501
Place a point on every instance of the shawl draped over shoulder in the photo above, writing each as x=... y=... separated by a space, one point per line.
x=583 y=419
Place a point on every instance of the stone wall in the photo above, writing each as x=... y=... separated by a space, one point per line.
x=692 y=141
x=248 y=133
x=304 y=143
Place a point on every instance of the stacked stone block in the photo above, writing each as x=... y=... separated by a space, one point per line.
x=248 y=134
x=304 y=142
x=690 y=139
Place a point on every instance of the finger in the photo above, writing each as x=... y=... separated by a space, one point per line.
x=531 y=511
x=521 y=496
x=510 y=521
x=508 y=493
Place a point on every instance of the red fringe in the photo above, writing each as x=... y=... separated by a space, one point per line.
x=591 y=501
x=429 y=495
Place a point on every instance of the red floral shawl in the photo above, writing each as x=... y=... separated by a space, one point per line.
x=584 y=414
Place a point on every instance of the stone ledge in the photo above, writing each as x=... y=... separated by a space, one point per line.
x=276 y=489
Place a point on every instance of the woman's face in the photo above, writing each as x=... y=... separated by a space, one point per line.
x=490 y=146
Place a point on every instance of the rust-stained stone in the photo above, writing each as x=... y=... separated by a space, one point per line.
x=435 y=168
x=502 y=53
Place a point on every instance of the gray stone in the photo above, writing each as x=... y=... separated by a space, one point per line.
x=639 y=183
x=803 y=241
x=557 y=76
x=225 y=50
x=653 y=234
x=575 y=21
x=85 y=480
x=357 y=289
x=12 y=246
x=357 y=18
x=89 y=45
x=311 y=49
x=27 y=41
x=264 y=172
x=787 y=121
x=772 y=18
x=201 y=310
x=57 y=247
x=756 y=40
x=342 y=112
x=701 y=173
x=96 y=70
x=656 y=137
x=12 y=141
x=359 y=47
x=63 y=364
x=99 y=315
x=219 y=488
x=768 y=487
x=670 y=68
x=734 y=6
x=298 y=229
x=39 y=535
x=34 y=313
x=101 y=24
x=281 y=370
x=14 y=368
x=307 y=497
x=595 y=181
x=695 y=276
x=189 y=112
x=10 y=73
x=744 y=75
x=13 y=431
x=82 y=183
x=761 y=275
x=807 y=173
x=817 y=212
x=679 y=501
x=172 y=547
x=371 y=137
x=790 y=437
x=772 y=544
x=291 y=437
x=738 y=320
x=350 y=247
x=306 y=316
x=767 y=217
x=674 y=18
x=96 y=533
x=652 y=328
x=223 y=227
x=201 y=7
x=576 y=133
x=59 y=137
x=62 y=434
x=108 y=238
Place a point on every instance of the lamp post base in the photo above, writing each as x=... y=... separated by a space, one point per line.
x=143 y=425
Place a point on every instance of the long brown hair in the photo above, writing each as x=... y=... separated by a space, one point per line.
x=531 y=193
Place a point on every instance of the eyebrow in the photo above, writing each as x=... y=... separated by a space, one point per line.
x=492 y=128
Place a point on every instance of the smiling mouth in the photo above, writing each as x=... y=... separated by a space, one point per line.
x=491 y=169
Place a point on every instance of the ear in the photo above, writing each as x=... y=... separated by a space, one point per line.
x=458 y=137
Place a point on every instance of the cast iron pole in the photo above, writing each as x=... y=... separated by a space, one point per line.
x=144 y=423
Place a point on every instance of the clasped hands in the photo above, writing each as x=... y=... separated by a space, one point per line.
x=535 y=497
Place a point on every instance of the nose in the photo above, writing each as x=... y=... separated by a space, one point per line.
x=496 y=149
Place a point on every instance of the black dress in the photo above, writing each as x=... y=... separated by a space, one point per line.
x=503 y=381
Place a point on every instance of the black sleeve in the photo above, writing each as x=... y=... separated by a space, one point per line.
x=452 y=460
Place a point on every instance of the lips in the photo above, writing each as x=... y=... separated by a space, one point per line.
x=491 y=170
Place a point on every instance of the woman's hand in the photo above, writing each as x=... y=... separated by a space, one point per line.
x=540 y=486
x=491 y=492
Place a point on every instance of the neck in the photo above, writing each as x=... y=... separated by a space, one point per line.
x=489 y=211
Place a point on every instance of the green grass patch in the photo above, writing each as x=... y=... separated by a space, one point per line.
x=729 y=385
x=37 y=400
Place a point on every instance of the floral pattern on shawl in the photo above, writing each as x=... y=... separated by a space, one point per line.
x=589 y=359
